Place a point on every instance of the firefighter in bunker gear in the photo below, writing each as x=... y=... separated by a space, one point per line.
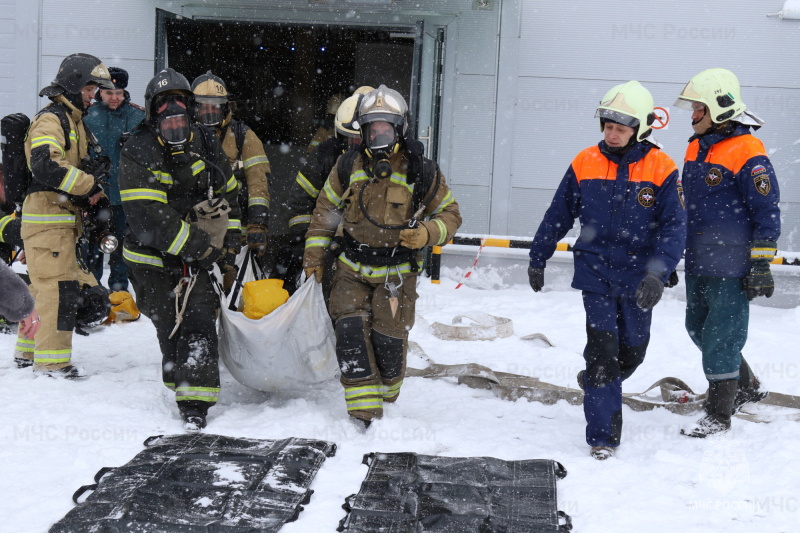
x=734 y=222
x=374 y=286
x=168 y=167
x=52 y=212
x=633 y=229
x=245 y=152
x=309 y=182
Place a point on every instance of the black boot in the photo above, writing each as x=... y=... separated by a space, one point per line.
x=719 y=409
x=749 y=388
x=194 y=417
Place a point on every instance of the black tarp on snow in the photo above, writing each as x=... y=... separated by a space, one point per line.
x=410 y=493
x=201 y=482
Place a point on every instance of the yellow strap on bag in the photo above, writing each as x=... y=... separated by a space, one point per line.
x=123 y=308
x=262 y=297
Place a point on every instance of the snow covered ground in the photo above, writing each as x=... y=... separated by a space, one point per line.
x=55 y=434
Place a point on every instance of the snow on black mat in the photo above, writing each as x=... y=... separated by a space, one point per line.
x=410 y=493
x=190 y=483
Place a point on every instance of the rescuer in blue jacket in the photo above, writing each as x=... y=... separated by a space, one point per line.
x=633 y=230
x=733 y=227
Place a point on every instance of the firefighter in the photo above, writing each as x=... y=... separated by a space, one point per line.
x=734 y=222
x=382 y=200
x=180 y=200
x=311 y=178
x=326 y=129
x=633 y=228
x=64 y=182
x=245 y=152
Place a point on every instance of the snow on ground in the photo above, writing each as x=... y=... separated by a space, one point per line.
x=55 y=434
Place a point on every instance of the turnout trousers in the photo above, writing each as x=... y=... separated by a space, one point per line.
x=617 y=332
x=717 y=315
x=50 y=233
x=190 y=359
x=371 y=342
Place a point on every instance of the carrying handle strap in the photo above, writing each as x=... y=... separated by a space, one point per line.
x=102 y=472
x=239 y=283
x=567 y=525
x=83 y=490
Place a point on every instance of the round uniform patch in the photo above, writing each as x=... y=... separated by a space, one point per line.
x=647 y=197
x=714 y=177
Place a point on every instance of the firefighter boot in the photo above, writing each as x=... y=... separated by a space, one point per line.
x=749 y=388
x=719 y=409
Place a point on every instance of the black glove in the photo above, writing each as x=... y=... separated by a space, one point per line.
x=758 y=281
x=98 y=167
x=673 y=280
x=649 y=291
x=536 y=278
x=209 y=257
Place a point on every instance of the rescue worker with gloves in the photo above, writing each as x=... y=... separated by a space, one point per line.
x=633 y=229
x=311 y=178
x=64 y=183
x=392 y=203
x=180 y=200
x=245 y=152
x=734 y=223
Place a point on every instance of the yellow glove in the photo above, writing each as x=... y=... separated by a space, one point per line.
x=315 y=271
x=415 y=238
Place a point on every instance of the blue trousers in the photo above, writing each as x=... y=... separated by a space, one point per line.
x=717 y=314
x=617 y=332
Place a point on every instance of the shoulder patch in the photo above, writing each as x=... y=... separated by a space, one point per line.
x=647 y=197
x=136 y=106
x=762 y=183
x=758 y=169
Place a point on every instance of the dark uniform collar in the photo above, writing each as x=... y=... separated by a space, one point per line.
x=633 y=154
x=709 y=139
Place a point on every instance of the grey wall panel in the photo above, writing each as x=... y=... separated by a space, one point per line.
x=473 y=201
x=527 y=210
x=477 y=42
x=790 y=226
x=658 y=41
x=471 y=135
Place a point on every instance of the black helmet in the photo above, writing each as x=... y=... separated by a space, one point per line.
x=76 y=71
x=119 y=77
x=166 y=81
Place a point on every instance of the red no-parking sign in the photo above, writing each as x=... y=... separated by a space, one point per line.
x=662 y=118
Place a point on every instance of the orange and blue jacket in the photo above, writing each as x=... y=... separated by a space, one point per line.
x=631 y=215
x=732 y=200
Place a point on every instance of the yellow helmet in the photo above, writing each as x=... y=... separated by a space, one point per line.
x=210 y=90
x=364 y=89
x=345 y=122
x=716 y=88
x=629 y=104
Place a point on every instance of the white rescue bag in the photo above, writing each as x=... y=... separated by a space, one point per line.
x=290 y=349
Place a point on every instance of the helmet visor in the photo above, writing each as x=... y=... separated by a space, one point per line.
x=379 y=135
x=685 y=104
x=616 y=116
x=174 y=129
x=210 y=114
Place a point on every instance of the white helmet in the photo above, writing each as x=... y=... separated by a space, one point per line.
x=629 y=104
x=716 y=88
x=383 y=105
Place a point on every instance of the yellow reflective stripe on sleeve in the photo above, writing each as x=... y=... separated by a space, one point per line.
x=180 y=239
x=257 y=200
x=161 y=177
x=154 y=195
x=28 y=218
x=25 y=345
x=358 y=175
x=314 y=242
x=763 y=253
x=73 y=136
x=447 y=200
x=234 y=224
x=256 y=160
x=52 y=356
x=198 y=167
x=41 y=141
x=231 y=185
x=299 y=219
x=334 y=198
x=3 y=223
x=142 y=259
x=303 y=182
x=442 y=232
x=400 y=179
x=70 y=178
